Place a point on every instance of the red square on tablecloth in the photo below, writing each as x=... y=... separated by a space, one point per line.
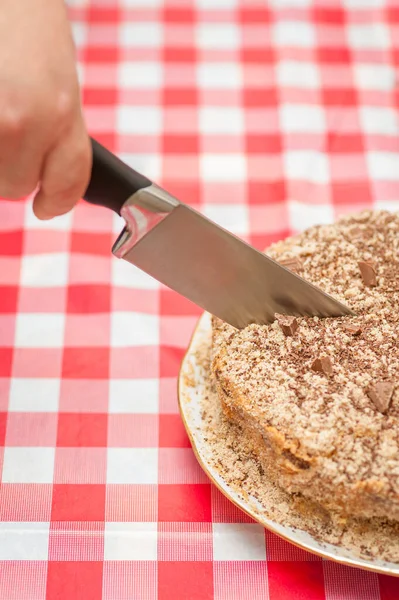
x=86 y=363
x=6 y=356
x=288 y=582
x=3 y=423
x=179 y=96
x=185 y=580
x=389 y=587
x=8 y=298
x=80 y=429
x=170 y=360
x=74 y=580
x=172 y=433
x=89 y=299
x=184 y=502
x=11 y=243
x=91 y=243
x=172 y=304
x=78 y=502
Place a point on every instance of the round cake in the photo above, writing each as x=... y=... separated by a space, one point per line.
x=320 y=397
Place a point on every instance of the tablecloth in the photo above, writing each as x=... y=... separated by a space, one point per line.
x=268 y=117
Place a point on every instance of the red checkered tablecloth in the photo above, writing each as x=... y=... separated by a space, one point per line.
x=266 y=116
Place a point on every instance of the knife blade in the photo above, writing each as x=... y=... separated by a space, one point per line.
x=194 y=256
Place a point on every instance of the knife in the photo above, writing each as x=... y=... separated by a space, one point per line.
x=190 y=254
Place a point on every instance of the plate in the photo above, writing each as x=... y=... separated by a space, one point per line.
x=192 y=388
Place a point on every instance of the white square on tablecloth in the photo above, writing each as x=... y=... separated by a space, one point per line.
x=124 y=274
x=213 y=5
x=130 y=541
x=44 y=270
x=139 y=120
x=34 y=394
x=362 y=5
x=283 y=4
x=383 y=165
x=220 y=76
x=233 y=217
x=367 y=36
x=149 y=165
x=79 y=33
x=379 y=120
x=39 y=330
x=293 y=33
x=238 y=541
x=24 y=541
x=132 y=465
x=28 y=465
x=131 y=396
x=140 y=74
x=142 y=3
x=223 y=167
x=374 y=77
x=141 y=34
x=291 y=73
x=306 y=165
x=133 y=329
x=302 y=118
x=302 y=216
x=218 y=36
x=221 y=120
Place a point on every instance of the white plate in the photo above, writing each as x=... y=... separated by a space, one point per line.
x=191 y=391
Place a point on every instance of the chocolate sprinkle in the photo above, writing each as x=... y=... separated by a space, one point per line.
x=380 y=394
x=352 y=329
x=322 y=365
x=368 y=273
x=288 y=324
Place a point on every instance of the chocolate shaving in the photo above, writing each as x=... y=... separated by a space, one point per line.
x=322 y=365
x=352 y=329
x=368 y=273
x=288 y=324
x=293 y=264
x=380 y=394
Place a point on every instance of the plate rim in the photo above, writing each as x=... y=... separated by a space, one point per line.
x=350 y=562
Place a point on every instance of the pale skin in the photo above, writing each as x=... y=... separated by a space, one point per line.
x=44 y=144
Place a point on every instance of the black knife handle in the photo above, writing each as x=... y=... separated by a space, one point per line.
x=112 y=181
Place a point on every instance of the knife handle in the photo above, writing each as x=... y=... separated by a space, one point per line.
x=112 y=181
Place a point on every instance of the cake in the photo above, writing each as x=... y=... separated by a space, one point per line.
x=319 y=398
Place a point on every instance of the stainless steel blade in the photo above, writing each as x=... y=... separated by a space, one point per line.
x=217 y=271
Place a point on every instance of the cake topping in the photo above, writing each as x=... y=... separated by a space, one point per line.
x=352 y=329
x=380 y=394
x=368 y=273
x=322 y=365
x=293 y=264
x=331 y=417
x=288 y=324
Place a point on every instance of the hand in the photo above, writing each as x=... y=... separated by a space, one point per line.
x=44 y=145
